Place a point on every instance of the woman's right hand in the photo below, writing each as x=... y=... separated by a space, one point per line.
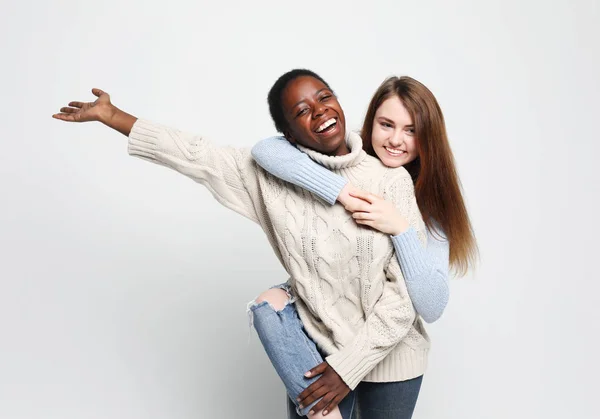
x=373 y=211
x=101 y=109
x=350 y=202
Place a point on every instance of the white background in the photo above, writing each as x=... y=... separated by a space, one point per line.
x=123 y=285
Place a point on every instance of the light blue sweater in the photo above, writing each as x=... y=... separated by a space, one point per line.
x=425 y=270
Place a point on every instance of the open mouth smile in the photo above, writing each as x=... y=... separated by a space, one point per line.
x=327 y=127
x=396 y=152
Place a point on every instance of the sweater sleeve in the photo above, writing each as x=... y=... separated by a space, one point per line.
x=393 y=314
x=225 y=171
x=280 y=158
x=425 y=271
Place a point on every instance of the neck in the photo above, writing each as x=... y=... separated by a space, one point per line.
x=342 y=150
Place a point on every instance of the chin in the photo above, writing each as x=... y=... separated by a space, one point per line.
x=393 y=163
x=334 y=145
x=389 y=161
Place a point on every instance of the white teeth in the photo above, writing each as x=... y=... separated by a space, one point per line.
x=326 y=125
x=395 y=152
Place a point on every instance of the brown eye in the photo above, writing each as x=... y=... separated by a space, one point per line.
x=302 y=112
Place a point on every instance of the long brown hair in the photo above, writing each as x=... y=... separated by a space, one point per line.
x=437 y=186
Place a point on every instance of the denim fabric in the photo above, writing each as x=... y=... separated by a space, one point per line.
x=293 y=353
x=288 y=347
x=394 y=400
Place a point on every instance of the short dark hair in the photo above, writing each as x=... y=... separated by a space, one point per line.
x=274 y=97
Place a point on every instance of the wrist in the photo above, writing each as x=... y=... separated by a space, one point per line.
x=119 y=120
x=108 y=114
x=344 y=195
x=401 y=227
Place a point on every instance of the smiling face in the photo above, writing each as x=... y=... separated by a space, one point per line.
x=393 y=136
x=314 y=116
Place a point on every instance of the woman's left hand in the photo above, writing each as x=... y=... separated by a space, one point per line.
x=329 y=386
x=376 y=212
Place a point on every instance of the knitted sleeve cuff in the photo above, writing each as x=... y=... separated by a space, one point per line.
x=143 y=139
x=352 y=364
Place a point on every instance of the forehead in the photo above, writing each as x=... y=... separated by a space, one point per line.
x=393 y=109
x=301 y=88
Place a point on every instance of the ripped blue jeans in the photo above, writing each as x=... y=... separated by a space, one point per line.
x=293 y=353
x=288 y=347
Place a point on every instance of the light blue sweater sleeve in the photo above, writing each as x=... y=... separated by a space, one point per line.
x=425 y=270
x=282 y=159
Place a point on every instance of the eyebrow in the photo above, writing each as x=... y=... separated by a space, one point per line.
x=319 y=91
x=392 y=122
x=386 y=119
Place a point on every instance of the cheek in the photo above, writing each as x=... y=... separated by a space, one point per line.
x=338 y=108
x=411 y=146
x=377 y=137
x=301 y=128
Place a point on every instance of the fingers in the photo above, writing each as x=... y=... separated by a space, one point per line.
x=69 y=110
x=303 y=397
x=317 y=370
x=314 y=397
x=362 y=216
x=65 y=117
x=332 y=404
x=323 y=403
x=359 y=206
x=364 y=195
x=98 y=92
x=76 y=104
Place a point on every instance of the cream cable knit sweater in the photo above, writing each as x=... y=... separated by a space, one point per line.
x=351 y=294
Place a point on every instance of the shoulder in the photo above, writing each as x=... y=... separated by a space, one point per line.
x=397 y=184
x=385 y=173
x=393 y=174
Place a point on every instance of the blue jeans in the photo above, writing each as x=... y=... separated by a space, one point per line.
x=287 y=345
x=395 y=400
x=293 y=353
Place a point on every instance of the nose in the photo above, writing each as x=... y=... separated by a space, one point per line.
x=397 y=138
x=320 y=109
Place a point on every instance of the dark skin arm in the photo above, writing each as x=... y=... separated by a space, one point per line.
x=101 y=110
x=329 y=386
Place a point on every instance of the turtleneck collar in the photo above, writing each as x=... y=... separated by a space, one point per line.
x=353 y=158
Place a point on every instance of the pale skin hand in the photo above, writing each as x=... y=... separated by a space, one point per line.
x=101 y=110
x=373 y=211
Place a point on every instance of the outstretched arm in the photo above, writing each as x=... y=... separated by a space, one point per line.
x=226 y=172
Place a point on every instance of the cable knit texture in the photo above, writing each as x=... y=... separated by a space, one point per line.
x=352 y=298
x=425 y=270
